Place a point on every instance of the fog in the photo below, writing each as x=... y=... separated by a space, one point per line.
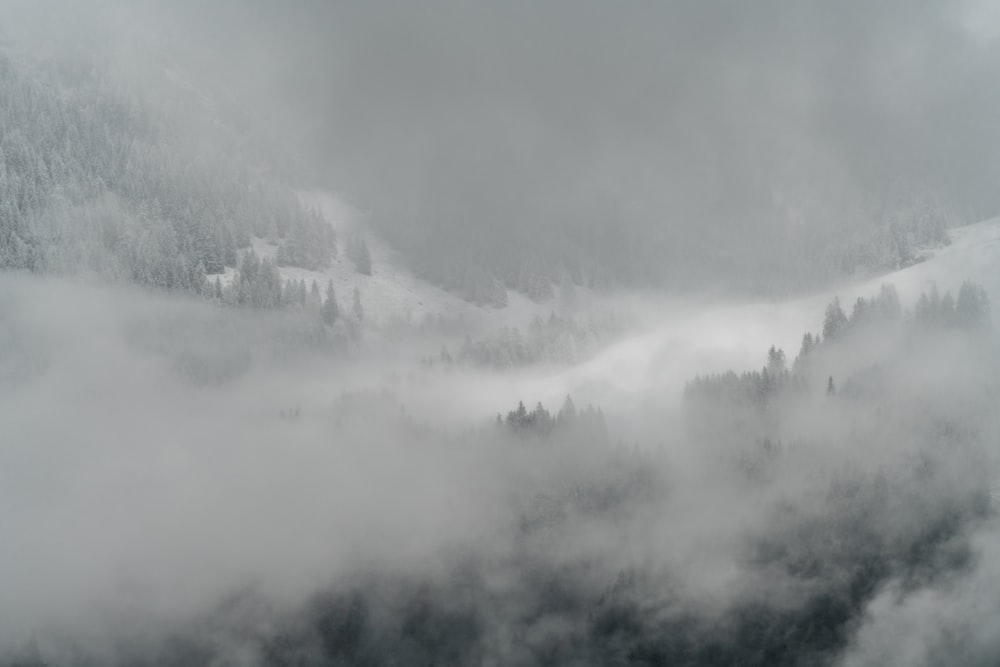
x=342 y=333
x=617 y=142
x=137 y=500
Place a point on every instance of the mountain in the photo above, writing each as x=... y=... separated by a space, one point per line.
x=101 y=176
x=137 y=167
x=689 y=338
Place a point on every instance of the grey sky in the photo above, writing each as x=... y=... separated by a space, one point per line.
x=660 y=106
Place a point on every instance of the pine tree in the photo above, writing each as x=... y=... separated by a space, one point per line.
x=887 y=303
x=860 y=312
x=775 y=362
x=315 y=300
x=972 y=307
x=331 y=311
x=567 y=413
x=209 y=249
x=246 y=279
x=519 y=417
x=835 y=320
x=808 y=344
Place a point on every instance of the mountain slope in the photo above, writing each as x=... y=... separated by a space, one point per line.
x=392 y=295
x=100 y=175
x=689 y=340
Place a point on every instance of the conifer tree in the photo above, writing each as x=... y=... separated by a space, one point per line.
x=331 y=311
x=972 y=307
x=835 y=320
x=775 y=362
x=315 y=300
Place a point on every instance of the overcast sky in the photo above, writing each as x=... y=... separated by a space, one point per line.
x=669 y=109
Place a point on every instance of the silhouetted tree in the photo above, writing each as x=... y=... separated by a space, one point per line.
x=834 y=321
x=331 y=311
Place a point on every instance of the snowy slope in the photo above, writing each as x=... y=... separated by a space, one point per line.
x=392 y=293
x=642 y=374
x=689 y=340
x=652 y=366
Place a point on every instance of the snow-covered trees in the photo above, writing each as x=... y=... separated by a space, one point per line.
x=257 y=283
x=309 y=242
x=95 y=177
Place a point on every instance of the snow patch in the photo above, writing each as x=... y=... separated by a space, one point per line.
x=393 y=294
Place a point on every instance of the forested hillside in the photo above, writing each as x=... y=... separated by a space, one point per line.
x=95 y=178
x=856 y=357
